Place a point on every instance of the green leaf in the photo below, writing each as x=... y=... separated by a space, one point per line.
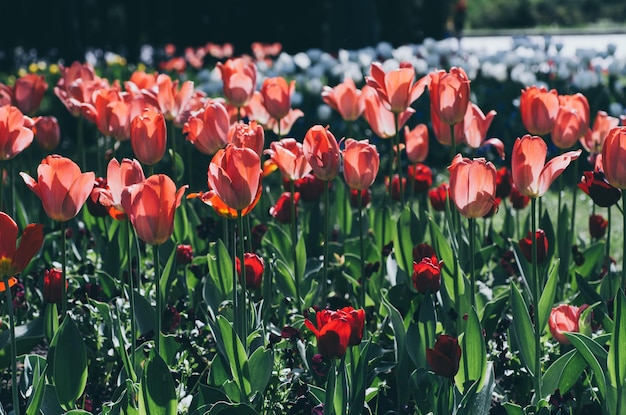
x=547 y=296
x=67 y=359
x=27 y=336
x=38 y=385
x=595 y=355
x=284 y=279
x=343 y=208
x=51 y=320
x=220 y=267
x=617 y=352
x=563 y=373
x=261 y=364
x=523 y=329
x=181 y=230
x=399 y=334
x=473 y=346
x=593 y=255
x=513 y=409
x=235 y=355
x=178 y=166
x=157 y=393
x=226 y=408
x=406 y=235
x=301 y=258
x=167 y=276
x=144 y=314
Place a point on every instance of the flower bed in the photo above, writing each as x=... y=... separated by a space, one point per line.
x=340 y=234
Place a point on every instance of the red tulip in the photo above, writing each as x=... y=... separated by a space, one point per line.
x=593 y=140
x=539 y=108
x=531 y=174
x=360 y=163
x=444 y=358
x=568 y=128
x=613 y=156
x=579 y=103
x=597 y=226
x=422 y=177
x=150 y=206
x=13 y=260
x=518 y=200
x=239 y=78
x=421 y=251
x=119 y=177
x=504 y=182
x=439 y=197
x=148 y=136
x=472 y=186
x=28 y=92
x=427 y=275
x=449 y=94
x=366 y=198
x=336 y=330
x=276 y=95
x=208 y=128
x=281 y=211
x=594 y=183
x=396 y=88
x=541 y=245
x=310 y=188
x=235 y=176
x=345 y=98
x=184 y=254
x=416 y=141
x=322 y=152
x=52 y=288
x=254 y=267
x=15 y=132
x=288 y=155
x=565 y=318
x=47 y=132
x=394 y=187
x=61 y=186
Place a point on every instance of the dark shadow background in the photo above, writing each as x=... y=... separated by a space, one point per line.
x=66 y=28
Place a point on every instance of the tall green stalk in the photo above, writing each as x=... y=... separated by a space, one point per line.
x=243 y=299
x=131 y=288
x=64 y=271
x=14 y=386
x=294 y=241
x=536 y=288
x=326 y=242
x=157 y=278
x=363 y=288
x=624 y=240
x=396 y=145
x=472 y=241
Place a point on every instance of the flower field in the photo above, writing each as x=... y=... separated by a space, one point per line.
x=380 y=231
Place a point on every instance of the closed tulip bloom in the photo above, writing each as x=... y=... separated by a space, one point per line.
x=239 y=78
x=416 y=141
x=444 y=358
x=288 y=155
x=531 y=174
x=579 y=103
x=28 y=92
x=594 y=183
x=396 y=88
x=360 y=163
x=235 y=176
x=567 y=129
x=539 y=108
x=13 y=260
x=613 y=157
x=565 y=318
x=472 y=186
x=322 y=152
x=184 y=254
x=250 y=135
x=427 y=275
x=438 y=197
x=171 y=99
x=61 y=186
x=52 y=289
x=119 y=177
x=254 y=266
x=151 y=205
x=380 y=119
x=148 y=136
x=208 y=129
x=593 y=140
x=504 y=182
x=281 y=211
x=345 y=98
x=597 y=226
x=276 y=95
x=422 y=177
x=518 y=200
x=15 y=132
x=47 y=132
x=525 y=245
x=449 y=94
x=333 y=335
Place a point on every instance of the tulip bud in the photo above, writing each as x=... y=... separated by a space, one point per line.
x=52 y=290
x=254 y=268
x=541 y=245
x=47 y=132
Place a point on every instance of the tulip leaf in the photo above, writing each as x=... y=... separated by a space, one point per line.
x=563 y=373
x=67 y=359
x=343 y=208
x=593 y=255
x=547 y=296
x=284 y=279
x=220 y=267
x=617 y=352
x=181 y=224
x=408 y=231
x=144 y=314
x=523 y=329
x=235 y=354
x=301 y=260
x=34 y=376
x=178 y=166
x=399 y=335
x=595 y=355
x=27 y=336
x=157 y=392
x=472 y=345
x=261 y=363
x=227 y=408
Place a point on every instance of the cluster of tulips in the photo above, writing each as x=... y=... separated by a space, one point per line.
x=332 y=287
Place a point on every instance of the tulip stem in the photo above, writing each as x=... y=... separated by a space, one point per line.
x=536 y=290
x=131 y=288
x=243 y=300
x=9 y=300
x=396 y=145
x=326 y=241
x=12 y=178
x=472 y=242
x=363 y=288
x=64 y=271
x=294 y=240
x=607 y=252
x=624 y=242
x=452 y=143
x=331 y=382
x=157 y=280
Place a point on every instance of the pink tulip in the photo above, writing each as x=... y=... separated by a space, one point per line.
x=276 y=95
x=148 y=136
x=250 y=135
x=565 y=318
x=475 y=125
x=239 y=78
x=614 y=156
x=322 y=151
x=208 y=129
x=472 y=186
x=531 y=174
x=360 y=163
x=539 y=108
x=171 y=99
x=150 y=206
x=449 y=94
x=119 y=176
x=345 y=98
x=288 y=155
x=416 y=141
x=28 y=92
x=15 y=132
x=47 y=132
x=61 y=186
x=379 y=118
x=396 y=88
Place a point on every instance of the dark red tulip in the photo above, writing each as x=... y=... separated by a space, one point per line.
x=594 y=183
x=597 y=226
x=525 y=246
x=444 y=358
x=255 y=266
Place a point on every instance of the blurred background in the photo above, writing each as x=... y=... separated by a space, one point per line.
x=66 y=28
